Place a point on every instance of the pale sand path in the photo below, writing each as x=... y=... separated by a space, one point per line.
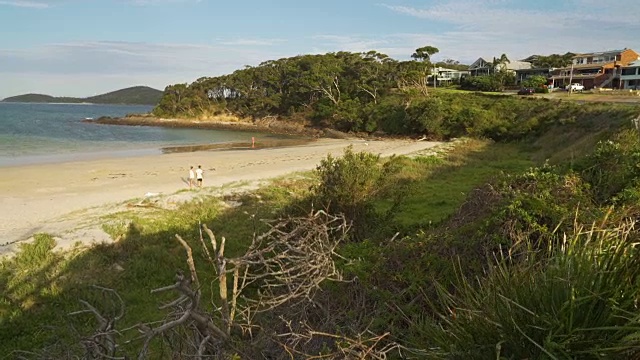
x=38 y=198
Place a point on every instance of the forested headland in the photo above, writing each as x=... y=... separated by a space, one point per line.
x=518 y=241
x=352 y=92
x=356 y=92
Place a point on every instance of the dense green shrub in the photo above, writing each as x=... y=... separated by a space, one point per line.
x=482 y=83
x=536 y=208
x=613 y=167
x=389 y=117
x=534 y=82
x=349 y=184
x=579 y=302
x=426 y=116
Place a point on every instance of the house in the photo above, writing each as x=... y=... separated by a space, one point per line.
x=630 y=76
x=595 y=70
x=485 y=67
x=447 y=76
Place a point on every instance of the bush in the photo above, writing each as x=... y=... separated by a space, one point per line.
x=535 y=82
x=613 y=167
x=349 y=184
x=390 y=117
x=426 y=117
x=537 y=208
x=482 y=83
x=578 y=303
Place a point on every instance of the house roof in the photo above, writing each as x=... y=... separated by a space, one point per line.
x=512 y=65
x=633 y=64
x=476 y=64
x=518 y=65
x=600 y=53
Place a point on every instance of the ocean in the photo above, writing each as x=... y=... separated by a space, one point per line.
x=50 y=133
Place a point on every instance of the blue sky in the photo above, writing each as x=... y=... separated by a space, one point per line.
x=87 y=47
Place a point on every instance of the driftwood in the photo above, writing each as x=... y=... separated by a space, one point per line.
x=279 y=276
x=285 y=265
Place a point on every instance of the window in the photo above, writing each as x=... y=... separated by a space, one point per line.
x=630 y=71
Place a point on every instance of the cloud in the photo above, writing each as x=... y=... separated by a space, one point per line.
x=116 y=62
x=357 y=43
x=26 y=4
x=493 y=27
x=116 y=57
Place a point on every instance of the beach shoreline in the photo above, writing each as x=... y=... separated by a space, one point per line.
x=58 y=198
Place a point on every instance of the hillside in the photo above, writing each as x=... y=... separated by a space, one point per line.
x=138 y=95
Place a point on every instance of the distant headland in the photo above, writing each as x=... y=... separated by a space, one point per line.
x=137 y=95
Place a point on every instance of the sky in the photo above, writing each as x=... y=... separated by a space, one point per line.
x=88 y=47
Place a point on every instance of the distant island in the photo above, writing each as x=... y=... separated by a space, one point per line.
x=137 y=95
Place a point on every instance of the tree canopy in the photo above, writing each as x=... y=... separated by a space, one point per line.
x=553 y=60
x=424 y=53
x=330 y=89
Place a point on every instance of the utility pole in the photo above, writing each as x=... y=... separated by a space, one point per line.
x=571 y=79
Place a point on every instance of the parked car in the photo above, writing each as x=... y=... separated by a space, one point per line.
x=576 y=87
x=526 y=91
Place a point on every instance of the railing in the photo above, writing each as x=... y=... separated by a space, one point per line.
x=609 y=80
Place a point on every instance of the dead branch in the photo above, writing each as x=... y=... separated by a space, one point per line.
x=190 y=314
x=102 y=343
x=285 y=265
x=292 y=258
x=364 y=345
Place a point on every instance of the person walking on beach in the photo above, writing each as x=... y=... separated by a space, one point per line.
x=192 y=177
x=199 y=173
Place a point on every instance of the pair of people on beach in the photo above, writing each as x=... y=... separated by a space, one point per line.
x=195 y=177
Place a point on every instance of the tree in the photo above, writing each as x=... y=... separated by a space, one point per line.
x=452 y=64
x=535 y=82
x=500 y=69
x=500 y=63
x=424 y=53
x=553 y=60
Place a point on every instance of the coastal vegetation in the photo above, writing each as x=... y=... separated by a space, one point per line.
x=137 y=95
x=516 y=242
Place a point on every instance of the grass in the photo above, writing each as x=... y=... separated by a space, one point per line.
x=441 y=184
x=579 y=302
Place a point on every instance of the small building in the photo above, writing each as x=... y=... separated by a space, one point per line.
x=447 y=76
x=595 y=70
x=630 y=76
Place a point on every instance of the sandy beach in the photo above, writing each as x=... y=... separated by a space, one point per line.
x=53 y=198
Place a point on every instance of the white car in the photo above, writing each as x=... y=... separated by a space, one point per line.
x=576 y=87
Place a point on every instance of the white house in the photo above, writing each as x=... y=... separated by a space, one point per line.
x=446 y=76
x=630 y=76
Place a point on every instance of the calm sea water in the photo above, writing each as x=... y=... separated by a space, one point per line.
x=45 y=133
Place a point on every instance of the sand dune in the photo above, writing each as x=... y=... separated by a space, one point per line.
x=53 y=198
